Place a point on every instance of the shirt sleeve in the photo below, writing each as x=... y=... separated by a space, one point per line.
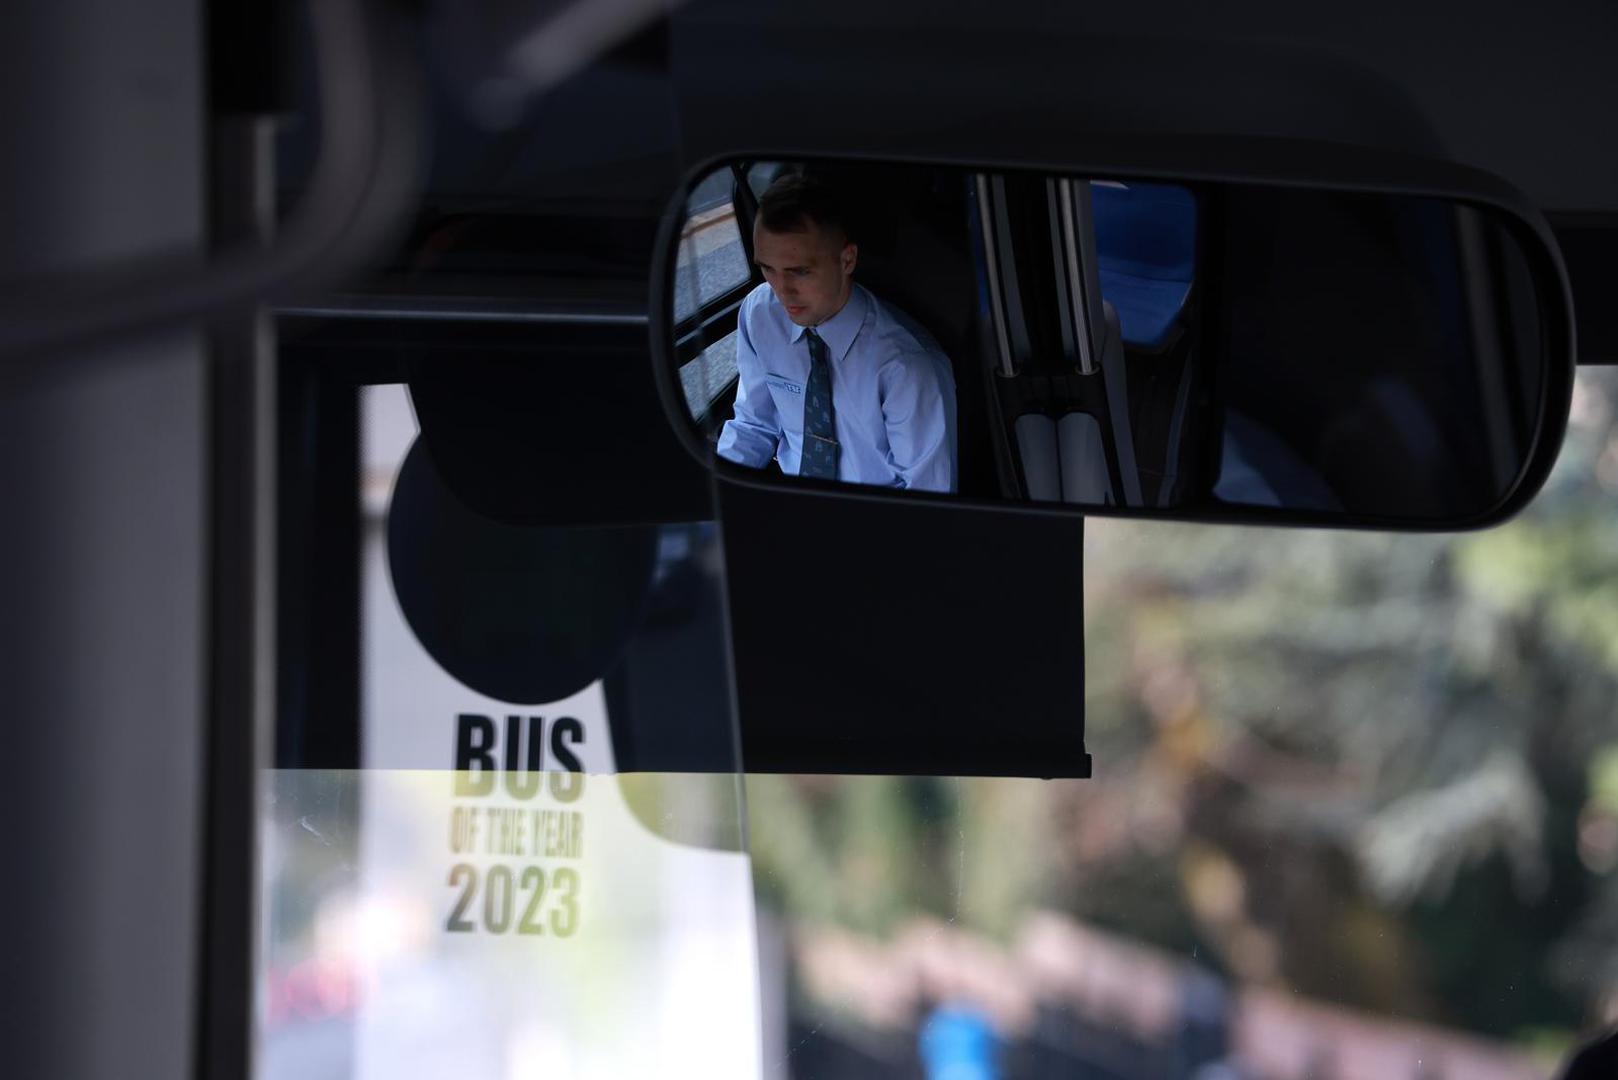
x=918 y=405
x=753 y=433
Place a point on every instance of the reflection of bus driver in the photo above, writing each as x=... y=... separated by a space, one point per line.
x=834 y=383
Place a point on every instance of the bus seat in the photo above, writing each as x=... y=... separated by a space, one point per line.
x=1064 y=460
x=1084 y=461
x=1146 y=241
x=1041 y=465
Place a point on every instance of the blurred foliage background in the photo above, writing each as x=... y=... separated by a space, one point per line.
x=1379 y=770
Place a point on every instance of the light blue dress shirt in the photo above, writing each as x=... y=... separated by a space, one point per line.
x=893 y=396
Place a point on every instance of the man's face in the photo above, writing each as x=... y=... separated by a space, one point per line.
x=809 y=271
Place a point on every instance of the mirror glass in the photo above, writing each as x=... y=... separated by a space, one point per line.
x=1213 y=350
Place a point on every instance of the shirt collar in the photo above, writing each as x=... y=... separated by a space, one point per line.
x=839 y=331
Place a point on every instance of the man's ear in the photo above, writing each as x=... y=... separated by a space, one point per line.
x=850 y=256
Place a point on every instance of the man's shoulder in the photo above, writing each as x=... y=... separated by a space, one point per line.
x=904 y=339
x=759 y=297
x=763 y=317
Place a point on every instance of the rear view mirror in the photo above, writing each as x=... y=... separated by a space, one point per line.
x=1194 y=349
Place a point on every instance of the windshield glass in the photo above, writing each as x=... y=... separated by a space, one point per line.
x=490 y=883
x=1354 y=814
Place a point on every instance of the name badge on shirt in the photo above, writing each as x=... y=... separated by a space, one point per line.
x=781 y=383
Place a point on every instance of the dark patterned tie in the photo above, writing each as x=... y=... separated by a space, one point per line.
x=819 y=430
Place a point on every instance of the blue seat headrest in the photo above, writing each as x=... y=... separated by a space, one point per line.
x=1146 y=246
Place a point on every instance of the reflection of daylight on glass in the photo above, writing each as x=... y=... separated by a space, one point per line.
x=457 y=936
x=686 y=299
x=707 y=376
x=711 y=260
x=385 y=927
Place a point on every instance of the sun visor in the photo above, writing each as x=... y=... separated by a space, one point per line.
x=566 y=433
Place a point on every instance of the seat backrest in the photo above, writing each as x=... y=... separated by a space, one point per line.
x=1084 y=461
x=1146 y=247
x=1040 y=459
x=915 y=254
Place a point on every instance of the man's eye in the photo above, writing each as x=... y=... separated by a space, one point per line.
x=800 y=273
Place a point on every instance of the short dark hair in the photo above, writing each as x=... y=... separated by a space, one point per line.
x=796 y=199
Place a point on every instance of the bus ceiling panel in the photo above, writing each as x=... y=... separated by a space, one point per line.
x=1527 y=97
x=1019 y=93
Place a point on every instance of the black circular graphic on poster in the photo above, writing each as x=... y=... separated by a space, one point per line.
x=521 y=613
